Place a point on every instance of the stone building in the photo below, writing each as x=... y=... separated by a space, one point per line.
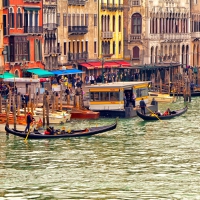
x=156 y=31
x=195 y=33
x=77 y=31
x=51 y=50
x=23 y=35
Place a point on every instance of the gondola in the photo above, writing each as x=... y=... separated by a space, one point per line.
x=62 y=133
x=174 y=113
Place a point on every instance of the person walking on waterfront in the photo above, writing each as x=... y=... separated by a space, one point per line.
x=142 y=106
x=133 y=100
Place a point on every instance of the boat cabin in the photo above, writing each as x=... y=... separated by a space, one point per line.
x=110 y=96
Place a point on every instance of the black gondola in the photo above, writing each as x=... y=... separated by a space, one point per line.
x=63 y=134
x=172 y=115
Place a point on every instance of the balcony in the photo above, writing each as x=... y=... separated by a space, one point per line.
x=107 y=35
x=111 y=7
x=195 y=34
x=50 y=26
x=5 y=3
x=77 y=30
x=169 y=36
x=135 y=37
x=53 y=50
x=77 y=56
x=33 y=29
x=76 y=2
x=32 y=1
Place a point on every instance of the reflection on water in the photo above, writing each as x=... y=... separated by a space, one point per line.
x=138 y=160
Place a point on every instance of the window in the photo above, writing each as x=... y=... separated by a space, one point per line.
x=136 y=53
x=120 y=46
x=73 y=20
x=95 y=19
x=77 y=20
x=65 y=48
x=11 y=18
x=69 y=44
x=140 y=92
x=58 y=19
x=120 y=24
x=113 y=23
x=69 y=19
x=82 y=19
x=86 y=46
x=136 y=23
x=86 y=20
x=64 y=19
x=114 y=47
x=38 y=50
x=95 y=47
x=135 y=2
x=19 y=18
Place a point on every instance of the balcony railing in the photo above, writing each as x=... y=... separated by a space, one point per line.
x=134 y=37
x=53 y=50
x=107 y=35
x=169 y=36
x=33 y=1
x=5 y=3
x=135 y=3
x=195 y=34
x=50 y=26
x=111 y=7
x=76 y=2
x=77 y=56
x=33 y=29
x=77 y=30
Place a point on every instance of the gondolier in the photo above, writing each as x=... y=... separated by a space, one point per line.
x=29 y=120
x=142 y=106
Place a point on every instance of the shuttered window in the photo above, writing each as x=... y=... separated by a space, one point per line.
x=136 y=23
x=136 y=53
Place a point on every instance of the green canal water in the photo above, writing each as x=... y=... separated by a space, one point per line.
x=138 y=160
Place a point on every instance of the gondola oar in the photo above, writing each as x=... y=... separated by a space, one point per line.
x=28 y=134
x=154 y=114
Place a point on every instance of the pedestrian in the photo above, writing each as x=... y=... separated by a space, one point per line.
x=29 y=120
x=142 y=106
x=133 y=100
x=124 y=100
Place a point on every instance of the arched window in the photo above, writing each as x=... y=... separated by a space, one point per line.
x=120 y=24
x=19 y=18
x=11 y=18
x=136 y=53
x=136 y=24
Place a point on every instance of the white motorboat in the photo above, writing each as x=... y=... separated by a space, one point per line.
x=161 y=97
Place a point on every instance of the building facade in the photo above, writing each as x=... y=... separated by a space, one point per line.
x=195 y=33
x=77 y=31
x=23 y=35
x=157 y=31
x=1 y=40
x=51 y=50
x=111 y=28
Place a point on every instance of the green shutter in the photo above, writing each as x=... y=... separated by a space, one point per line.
x=29 y=50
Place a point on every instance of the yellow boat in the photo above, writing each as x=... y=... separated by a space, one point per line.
x=161 y=97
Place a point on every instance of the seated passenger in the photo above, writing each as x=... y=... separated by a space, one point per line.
x=47 y=132
x=167 y=112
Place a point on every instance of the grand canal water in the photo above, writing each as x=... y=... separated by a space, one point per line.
x=138 y=160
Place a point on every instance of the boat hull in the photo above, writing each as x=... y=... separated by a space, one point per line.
x=151 y=118
x=76 y=133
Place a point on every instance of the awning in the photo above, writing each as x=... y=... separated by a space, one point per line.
x=67 y=71
x=123 y=63
x=111 y=64
x=40 y=72
x=96 y=64
x=86 y=65
x=7 y=75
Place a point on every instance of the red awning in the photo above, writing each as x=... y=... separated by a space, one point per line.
x=111 y=64
x=123 y=63
x=96 y=64
x=86 y=65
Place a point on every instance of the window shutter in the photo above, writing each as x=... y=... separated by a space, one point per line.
x=13 y=20
x=35 y=50
x=8 y=53
x=28 y=49
x=40 y=48
x=17 y=19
